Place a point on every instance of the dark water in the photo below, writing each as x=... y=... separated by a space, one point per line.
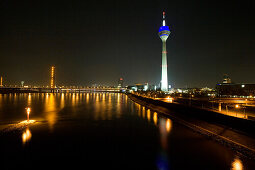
x=102 y=131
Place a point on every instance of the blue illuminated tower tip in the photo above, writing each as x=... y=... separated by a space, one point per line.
x=164 y=32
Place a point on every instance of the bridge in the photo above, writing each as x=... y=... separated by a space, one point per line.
x=59 y=90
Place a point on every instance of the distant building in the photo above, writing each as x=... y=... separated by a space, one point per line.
x=120 y=83
x=196 y=92
x=235 y=90
x=226 y=79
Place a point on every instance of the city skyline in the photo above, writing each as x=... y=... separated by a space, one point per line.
x=98 y=45
x=127 y=84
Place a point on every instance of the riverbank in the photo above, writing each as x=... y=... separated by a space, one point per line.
x=233 y=132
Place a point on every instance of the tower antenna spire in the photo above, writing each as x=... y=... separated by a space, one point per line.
x=164 y=16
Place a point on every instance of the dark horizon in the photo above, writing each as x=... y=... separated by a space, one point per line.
x=97 y=43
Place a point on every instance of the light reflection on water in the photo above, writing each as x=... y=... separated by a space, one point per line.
x=73 y=99
x=62 y=101
x=29 y=100
x=237 y=164
x=139 y=109
x=1 y=101
x=100 y=106
x=26 y=136
x=119 y=105
x=155 y=118
x=110 y=97
x=50 y=110
x=87 y=97
x=97 y=108
x=164 y=127
x=168 y=125
x=143 y=112
x=149 y=115
x=104 y=106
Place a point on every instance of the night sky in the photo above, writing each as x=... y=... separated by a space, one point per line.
x=100 y=41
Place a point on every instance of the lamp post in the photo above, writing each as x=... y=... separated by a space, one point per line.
x=236 y=106
x=28 y=112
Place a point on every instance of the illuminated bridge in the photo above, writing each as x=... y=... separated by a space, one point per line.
x=60 y=90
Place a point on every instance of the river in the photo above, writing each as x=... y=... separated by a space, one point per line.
x=102 y=130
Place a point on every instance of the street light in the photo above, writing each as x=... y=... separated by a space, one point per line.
x=236 y=106
x=28 y=112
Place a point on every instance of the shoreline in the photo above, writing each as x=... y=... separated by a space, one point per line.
x=239 y=140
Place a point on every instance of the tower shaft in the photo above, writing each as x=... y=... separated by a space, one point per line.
x=164 y=79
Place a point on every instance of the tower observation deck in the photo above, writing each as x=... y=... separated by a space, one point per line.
x=164 y=32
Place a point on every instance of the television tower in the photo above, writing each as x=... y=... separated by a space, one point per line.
x=164 y=32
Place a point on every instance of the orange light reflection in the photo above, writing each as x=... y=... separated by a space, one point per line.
x=51 y=110
x=237 y=164
x=26 y=136
x=155 y=118
x=168 y=125
x=149 y=114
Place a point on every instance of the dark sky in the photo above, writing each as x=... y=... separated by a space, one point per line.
x=99 y=41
